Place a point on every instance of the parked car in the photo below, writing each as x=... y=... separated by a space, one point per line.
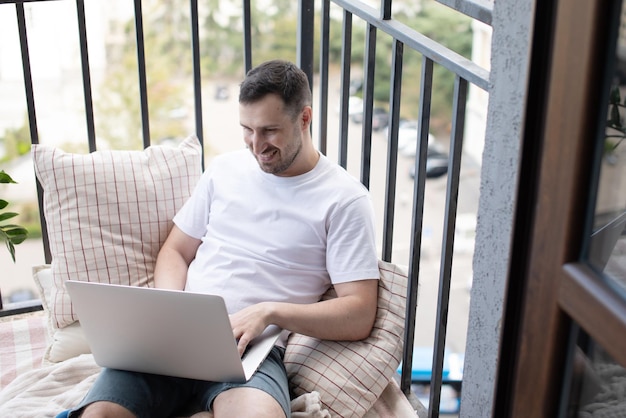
x=380 y=118
x=355 y=107
x=407 y=139
x=221 y=93
x=436 y=164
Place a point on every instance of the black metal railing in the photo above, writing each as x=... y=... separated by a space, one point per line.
x=377 y=21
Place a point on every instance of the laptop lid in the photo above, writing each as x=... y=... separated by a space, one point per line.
x=166 y=332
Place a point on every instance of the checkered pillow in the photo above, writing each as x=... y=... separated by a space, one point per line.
x=109 y=212
x=351 y=376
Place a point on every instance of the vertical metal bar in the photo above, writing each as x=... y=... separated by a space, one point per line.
x=392 y=149
x=385 y=9
x=370 y=67
x=305 y=37
x=419 y=190
x=32 y=117
x=197 y=79
x=324 y=76
x=28 y=76
x=247 y=36
x=346 y=57
x=84 y=57
x=141 y=64
x=456 y=147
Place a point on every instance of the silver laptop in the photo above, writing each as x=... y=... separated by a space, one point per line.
x=168 y=332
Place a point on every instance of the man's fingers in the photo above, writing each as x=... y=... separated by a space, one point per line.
x=242 y=343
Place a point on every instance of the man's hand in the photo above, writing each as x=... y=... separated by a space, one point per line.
x=249 y=323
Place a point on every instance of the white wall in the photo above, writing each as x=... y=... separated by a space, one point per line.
x=478 y=99
x=512 y=27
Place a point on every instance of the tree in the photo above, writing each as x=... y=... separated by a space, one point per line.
x=168 y=70
x=16 y=141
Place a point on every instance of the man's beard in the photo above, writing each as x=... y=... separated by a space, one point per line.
x=286 y=157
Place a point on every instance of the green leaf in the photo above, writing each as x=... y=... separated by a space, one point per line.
x=5 y=178
x=13 y=227
x=11 y=248
x=615 y=117
x=615 y=98
x=7 y=215
x=15 y=230
x=3 y=204
x=18 y=239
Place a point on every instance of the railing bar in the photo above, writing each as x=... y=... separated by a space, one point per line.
x=392 y=149
x=368 y=88
x=345 y=84
x=419 y=190
x=18 y=308
x=197 y=79
x=305 y=37
x=456 y=144
x=141 y=64
x=247 y=36
x=32 y=119
x=28 y=76
x=16 y=2
x=324 y=76
x=447 y=58
x=481 y=10
x=84 y=57
x=385 y=9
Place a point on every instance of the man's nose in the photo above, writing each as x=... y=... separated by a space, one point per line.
x=256 y=140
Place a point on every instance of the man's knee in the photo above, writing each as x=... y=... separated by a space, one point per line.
x=246 y=402
x=104 y=409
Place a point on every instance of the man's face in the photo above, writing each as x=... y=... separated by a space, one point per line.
x=273 y=137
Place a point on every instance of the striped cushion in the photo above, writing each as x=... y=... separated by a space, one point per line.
x=109 y=212
x=350 y=376
x=23 y=341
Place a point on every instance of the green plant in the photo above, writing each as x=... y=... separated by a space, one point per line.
x=615 y=121
x=10 y=233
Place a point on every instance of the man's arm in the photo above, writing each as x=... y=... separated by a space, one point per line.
x=350 y=316
x=173 y=260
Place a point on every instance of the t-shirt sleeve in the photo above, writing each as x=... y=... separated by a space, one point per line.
x=351 y=246
x=193 y=217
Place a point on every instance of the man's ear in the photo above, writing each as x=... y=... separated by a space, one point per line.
x=306 y=117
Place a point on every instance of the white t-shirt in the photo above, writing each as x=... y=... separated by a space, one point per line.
x=271 y=238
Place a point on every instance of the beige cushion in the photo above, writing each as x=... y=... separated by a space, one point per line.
x=350 y=376
x=109 y=212
x=64 y=343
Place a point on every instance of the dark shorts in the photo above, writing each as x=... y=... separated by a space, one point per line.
x=152 y=396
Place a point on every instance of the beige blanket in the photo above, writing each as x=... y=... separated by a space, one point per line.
x=46 y=391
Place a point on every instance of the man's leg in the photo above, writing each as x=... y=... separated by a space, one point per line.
x=246 y=402
x=266 y=394
x=124 y=394
x=104 y=409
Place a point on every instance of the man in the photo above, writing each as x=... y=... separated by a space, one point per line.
x=269 y=229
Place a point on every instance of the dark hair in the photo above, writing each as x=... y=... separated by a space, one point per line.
x=278 y=77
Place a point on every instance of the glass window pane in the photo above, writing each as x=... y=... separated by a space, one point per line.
x=598 y=386
x=607 y=250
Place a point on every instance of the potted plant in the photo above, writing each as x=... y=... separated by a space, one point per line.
x=10 y=233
